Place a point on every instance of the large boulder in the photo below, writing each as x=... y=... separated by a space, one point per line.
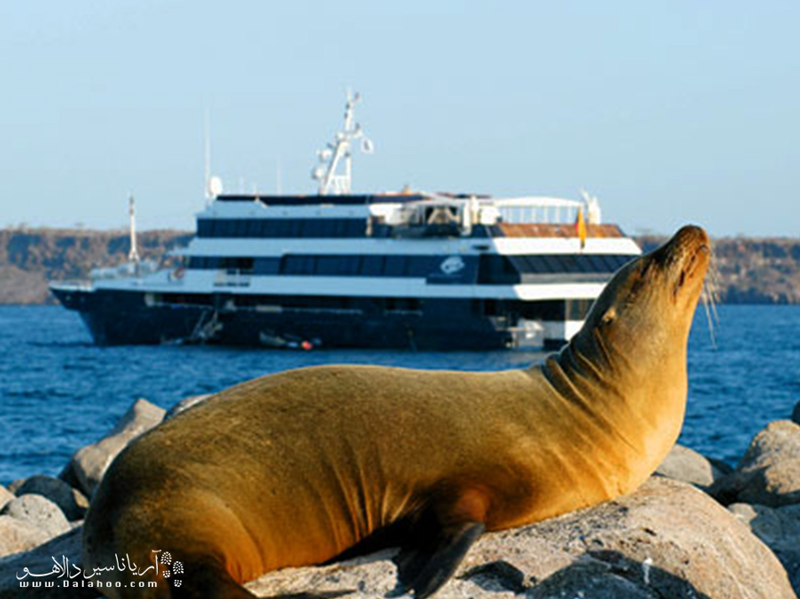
x=90 y=463
x=64 y=550
x=19 y=535
x=668 y=539
x=769 y=473
x=779 y=528
x=689 y=466
x=5 y=496
x=71 y=501
x=38 y=511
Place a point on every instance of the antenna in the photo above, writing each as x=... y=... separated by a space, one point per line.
x=207 y=155
x=331 y=157
x=133 y=254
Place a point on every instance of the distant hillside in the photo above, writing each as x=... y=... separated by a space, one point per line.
x=29 y=258
x=750 y=271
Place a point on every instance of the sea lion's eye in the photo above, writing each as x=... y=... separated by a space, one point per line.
x=609 y=317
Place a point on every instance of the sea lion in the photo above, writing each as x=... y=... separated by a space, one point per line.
x=299 y=467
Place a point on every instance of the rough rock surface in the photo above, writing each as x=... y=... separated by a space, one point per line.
x=666 y=540
x=65 y=550
x=19 y=535
x=37 y=511
x=71 y=501
x=90 y=463
x=769 y=473
x=185 y=404
x=689 y=466
x=779 y=528
x=5 y=496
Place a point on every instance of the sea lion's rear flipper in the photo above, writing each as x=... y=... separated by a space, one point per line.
x=433 y=554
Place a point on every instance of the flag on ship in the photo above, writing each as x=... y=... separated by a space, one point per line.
x=580 y=227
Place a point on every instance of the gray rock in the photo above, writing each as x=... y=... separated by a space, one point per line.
x=71 y=501
x=779 y=528
x=38 y=511
x=185 y=404
x=64 y=550
x=5 y=496
x=19 y=535
x=668 y=539
x=90 y=463
x=769 y=473
x=687 y=465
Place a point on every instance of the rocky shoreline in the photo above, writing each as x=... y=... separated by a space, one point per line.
x=697 y=529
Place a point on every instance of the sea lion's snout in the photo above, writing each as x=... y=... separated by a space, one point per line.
x=693 y=252
x=688 y=240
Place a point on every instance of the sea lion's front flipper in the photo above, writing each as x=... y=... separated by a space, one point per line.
x=433 y=555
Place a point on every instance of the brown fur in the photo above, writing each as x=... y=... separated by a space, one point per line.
x=294 y=468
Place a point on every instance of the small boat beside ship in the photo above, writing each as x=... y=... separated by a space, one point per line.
x=408 y=269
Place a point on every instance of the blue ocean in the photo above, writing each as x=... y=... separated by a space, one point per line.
x=58 y=392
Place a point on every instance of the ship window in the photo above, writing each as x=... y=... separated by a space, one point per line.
x=348 y=265
x=336 y=227
x=550 y=264
x=622 y=260
x=298 y=265
x=585 y=264
x=293 y=227
x=356 y=227
x=253 y=228
x=237 y=263
x=269 y=228
x=606 y=263
x=395 y=266
x=283 y=227
x=372 y=266
x=401 y=304
x=267 y=266
x=420 y=266
x=327 y=265
x=313 y=228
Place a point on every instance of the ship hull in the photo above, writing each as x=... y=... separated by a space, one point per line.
x=116 y=317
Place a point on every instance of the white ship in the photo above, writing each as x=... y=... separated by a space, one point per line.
x=406 y=269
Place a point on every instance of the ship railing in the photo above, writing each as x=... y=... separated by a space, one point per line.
x=232 y=277
x=72 y=285
x=533 y=209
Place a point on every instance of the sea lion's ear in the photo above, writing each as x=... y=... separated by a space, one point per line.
x=609 y=316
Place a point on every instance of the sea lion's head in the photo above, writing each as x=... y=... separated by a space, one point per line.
x=640 y=323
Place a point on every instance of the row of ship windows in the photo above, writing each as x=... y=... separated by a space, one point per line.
x=571 y=309
x=491 y=266
x=310 y=228
x=281 y=227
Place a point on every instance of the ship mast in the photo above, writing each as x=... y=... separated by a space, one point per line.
x=133 y=255
x=338 y=152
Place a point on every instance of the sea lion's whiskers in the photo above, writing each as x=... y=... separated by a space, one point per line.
x=708 y=296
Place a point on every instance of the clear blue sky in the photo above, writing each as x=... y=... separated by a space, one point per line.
x=669 y=112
